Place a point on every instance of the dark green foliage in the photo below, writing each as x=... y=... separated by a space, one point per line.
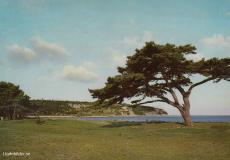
x=13 y=102
x=55 y=107
x=157 y=70
x=162 y=111
x=107 y=109
x=141 y=110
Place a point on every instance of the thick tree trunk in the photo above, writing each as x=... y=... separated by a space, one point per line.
x=185 y=108
x=187 y=118
x=185 y=111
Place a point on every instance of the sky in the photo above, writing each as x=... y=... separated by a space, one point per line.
x=58 y=49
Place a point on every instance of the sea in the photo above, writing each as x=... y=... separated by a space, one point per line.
x=177 y=118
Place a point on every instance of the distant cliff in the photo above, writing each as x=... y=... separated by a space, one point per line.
x=119 y=110
x=79 y=108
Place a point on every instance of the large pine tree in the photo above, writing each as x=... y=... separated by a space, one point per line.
x=157 y=70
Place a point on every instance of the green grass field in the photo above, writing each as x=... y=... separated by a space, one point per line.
x=107 y=140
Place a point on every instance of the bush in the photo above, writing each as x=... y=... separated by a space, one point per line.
x=40 y=121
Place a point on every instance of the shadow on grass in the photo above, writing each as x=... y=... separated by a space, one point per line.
x=156 y=122
x=121 y=124
x=130 y=123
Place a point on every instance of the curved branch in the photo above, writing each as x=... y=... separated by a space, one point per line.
x=180 y=89
x=159 y=95
x=157 y=100
x=199 y=83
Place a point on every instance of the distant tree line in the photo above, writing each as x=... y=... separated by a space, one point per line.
x=15 y=104
x=55 y=107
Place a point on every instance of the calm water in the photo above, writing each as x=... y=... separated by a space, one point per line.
x=162 y=118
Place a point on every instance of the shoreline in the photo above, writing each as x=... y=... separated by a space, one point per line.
x=47 y=116
x=44 y=116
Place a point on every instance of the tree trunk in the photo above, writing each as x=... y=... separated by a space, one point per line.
x=14 y=114
x=7 y=113
x=185 y=111
x=187 y=118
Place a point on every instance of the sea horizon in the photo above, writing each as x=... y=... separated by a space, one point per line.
x=203 y=115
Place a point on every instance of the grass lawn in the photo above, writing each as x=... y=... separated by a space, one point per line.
x=107 y=140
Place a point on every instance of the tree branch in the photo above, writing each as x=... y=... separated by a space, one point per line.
x=199 y=83
x=163 y=99
x=157 y=100
x=180 y=89
x=175 y=98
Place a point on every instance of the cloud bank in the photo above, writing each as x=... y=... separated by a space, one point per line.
x=120 y=50
x=40 y=51
x=120 y=60
x=217 y=40
x=139 y=42
x=79 y=74
x=50 y=50
x=21 y=55
x=195 y=57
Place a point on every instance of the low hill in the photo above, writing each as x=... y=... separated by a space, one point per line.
x=84 y=108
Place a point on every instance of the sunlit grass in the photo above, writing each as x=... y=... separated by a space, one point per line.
x=83 y=139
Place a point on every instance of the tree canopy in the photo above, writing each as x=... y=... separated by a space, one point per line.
x=157 y=70
x=13 y=102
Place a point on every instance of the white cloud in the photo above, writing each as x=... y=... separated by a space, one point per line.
x=113 y=51
x=50 y=50
x=139 y=42
x=120 y=50
x=88 y=63
x=43 y=79
x=120 y=60
x=148 y=36
x=217 y=40
x=79 y=74
x=39 y=51
x=195 y=57
x=21 y=54
x=132 y=41
x=116 y=58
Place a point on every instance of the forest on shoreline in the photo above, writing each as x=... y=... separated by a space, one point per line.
x=14 y=104
x=84 y=108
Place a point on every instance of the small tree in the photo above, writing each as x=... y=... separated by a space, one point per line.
x=157 y=70
x=13 y=102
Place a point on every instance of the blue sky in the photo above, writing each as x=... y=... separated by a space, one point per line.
x=57 y=49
